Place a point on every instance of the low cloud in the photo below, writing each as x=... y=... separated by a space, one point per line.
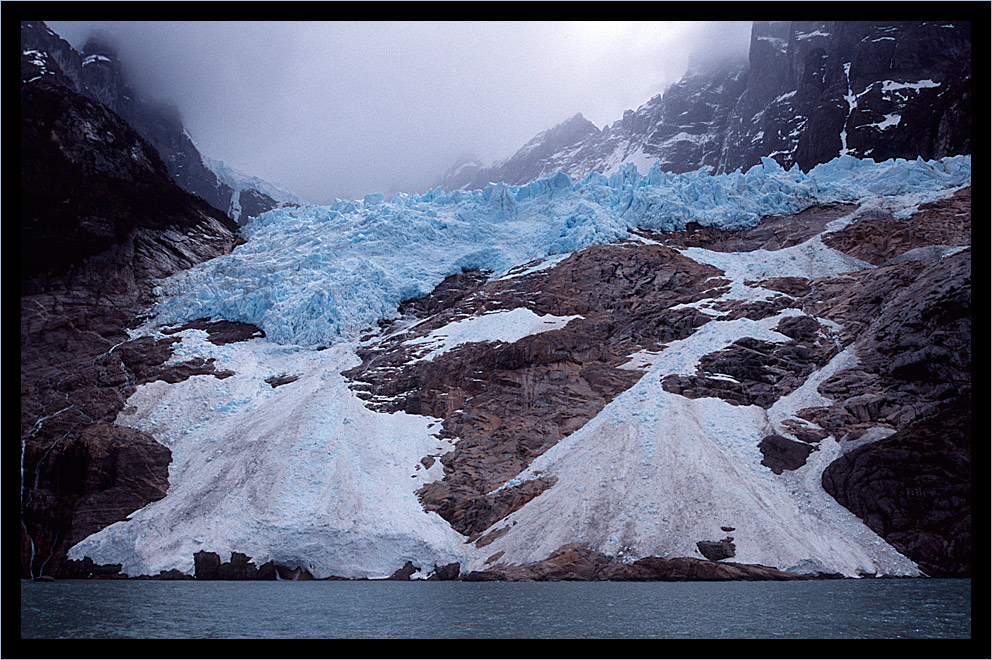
x=343 y=109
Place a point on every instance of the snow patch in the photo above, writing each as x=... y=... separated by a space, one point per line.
x=505 y=326
x=90 y=59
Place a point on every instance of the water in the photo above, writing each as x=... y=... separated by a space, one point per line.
x=817 y=609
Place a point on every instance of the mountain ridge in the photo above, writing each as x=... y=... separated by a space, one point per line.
x=808 y=92
x=96 y=72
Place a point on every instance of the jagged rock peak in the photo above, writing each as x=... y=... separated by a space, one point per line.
x=807 y=92
x=99 y=74
x=571 y=131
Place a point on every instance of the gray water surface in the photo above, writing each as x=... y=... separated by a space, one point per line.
x=912 y=608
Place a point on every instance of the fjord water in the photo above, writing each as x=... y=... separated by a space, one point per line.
x=889 y=609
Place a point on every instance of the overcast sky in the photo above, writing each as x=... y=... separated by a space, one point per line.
x=343 y=109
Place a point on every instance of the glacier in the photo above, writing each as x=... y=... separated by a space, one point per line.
x=316 y=275
x=307 y=475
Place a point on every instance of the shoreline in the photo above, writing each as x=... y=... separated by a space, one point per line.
x=568 y=564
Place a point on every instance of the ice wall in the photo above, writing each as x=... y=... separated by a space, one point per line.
x=314 y=275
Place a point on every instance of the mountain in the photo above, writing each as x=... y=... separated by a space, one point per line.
x=97 y=74
x=745 y=376
x=250 y=195
x=658 y=375
x=101 y=221
x=809 y=91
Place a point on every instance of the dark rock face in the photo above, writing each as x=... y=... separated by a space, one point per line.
x=96 y=73
x=878 y=89
x=914 y=489
x=172 y=574
x=100 y=220
x=809 y=92
x=911 y=325
x=89 y=183
x=238 y=568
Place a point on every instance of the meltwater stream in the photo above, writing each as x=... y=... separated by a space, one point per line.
x=889 y=609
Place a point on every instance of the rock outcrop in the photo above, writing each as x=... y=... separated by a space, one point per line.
x=576 y=563
x=717 y=550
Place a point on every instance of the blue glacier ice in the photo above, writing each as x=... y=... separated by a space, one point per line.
x=315 y=275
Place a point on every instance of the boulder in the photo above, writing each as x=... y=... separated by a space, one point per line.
x=405 y=572
x=206 y=565
x=446 y=572
x=717 y=550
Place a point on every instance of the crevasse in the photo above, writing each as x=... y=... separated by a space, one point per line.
x=314 y=275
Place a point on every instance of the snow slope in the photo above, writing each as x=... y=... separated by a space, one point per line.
x=302 y=474
x=655 y=472
x=316 y=275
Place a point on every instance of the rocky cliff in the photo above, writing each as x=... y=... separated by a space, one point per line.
x=101 y=221
x=809 y=92
x=97 y=73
